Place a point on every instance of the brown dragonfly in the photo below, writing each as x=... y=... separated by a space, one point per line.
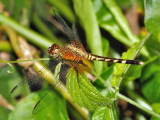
x=73 y=54
x=75 y=50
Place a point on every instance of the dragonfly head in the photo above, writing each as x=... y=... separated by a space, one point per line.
x=54 y=50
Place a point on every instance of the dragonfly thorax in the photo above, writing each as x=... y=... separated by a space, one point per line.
x=54 y=50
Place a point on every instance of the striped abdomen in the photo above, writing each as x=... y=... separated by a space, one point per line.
x=113 y=60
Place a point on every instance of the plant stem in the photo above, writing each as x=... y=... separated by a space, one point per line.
x=5 y=46
x=3 y=61
x=137 y=105
x=31 y=35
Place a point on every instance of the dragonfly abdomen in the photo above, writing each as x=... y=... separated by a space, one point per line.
x=113 y=60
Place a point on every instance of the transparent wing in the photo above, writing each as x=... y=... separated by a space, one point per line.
x=71 y=33
x=33 y=83
x=47 y=98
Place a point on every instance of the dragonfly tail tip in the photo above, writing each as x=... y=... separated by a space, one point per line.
x=141 y=63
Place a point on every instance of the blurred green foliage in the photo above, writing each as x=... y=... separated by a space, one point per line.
x=104 y=30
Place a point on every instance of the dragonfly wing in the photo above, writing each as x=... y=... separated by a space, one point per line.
x=33 y=83
x=71 y=34
x=22 y=89
x=74 y=29
x=43 y=102
x=47 y=98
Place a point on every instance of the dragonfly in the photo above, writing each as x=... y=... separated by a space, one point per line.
x=72 y=54
x=75 y=51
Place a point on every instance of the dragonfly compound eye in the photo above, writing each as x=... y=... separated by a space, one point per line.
x=54 y=50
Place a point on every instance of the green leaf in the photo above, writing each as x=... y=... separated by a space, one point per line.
x=55 y=111
x=8 y=81
x=103 y=113
x=152 y=17
x=83 y=92
x=85 y=11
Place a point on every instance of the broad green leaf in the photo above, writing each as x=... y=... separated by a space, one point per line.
x=126 y=72
x=152 y=17
x=85 y=12
x=103 y=113
x=8 y=81
x=83 y=92
x=54 y=111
